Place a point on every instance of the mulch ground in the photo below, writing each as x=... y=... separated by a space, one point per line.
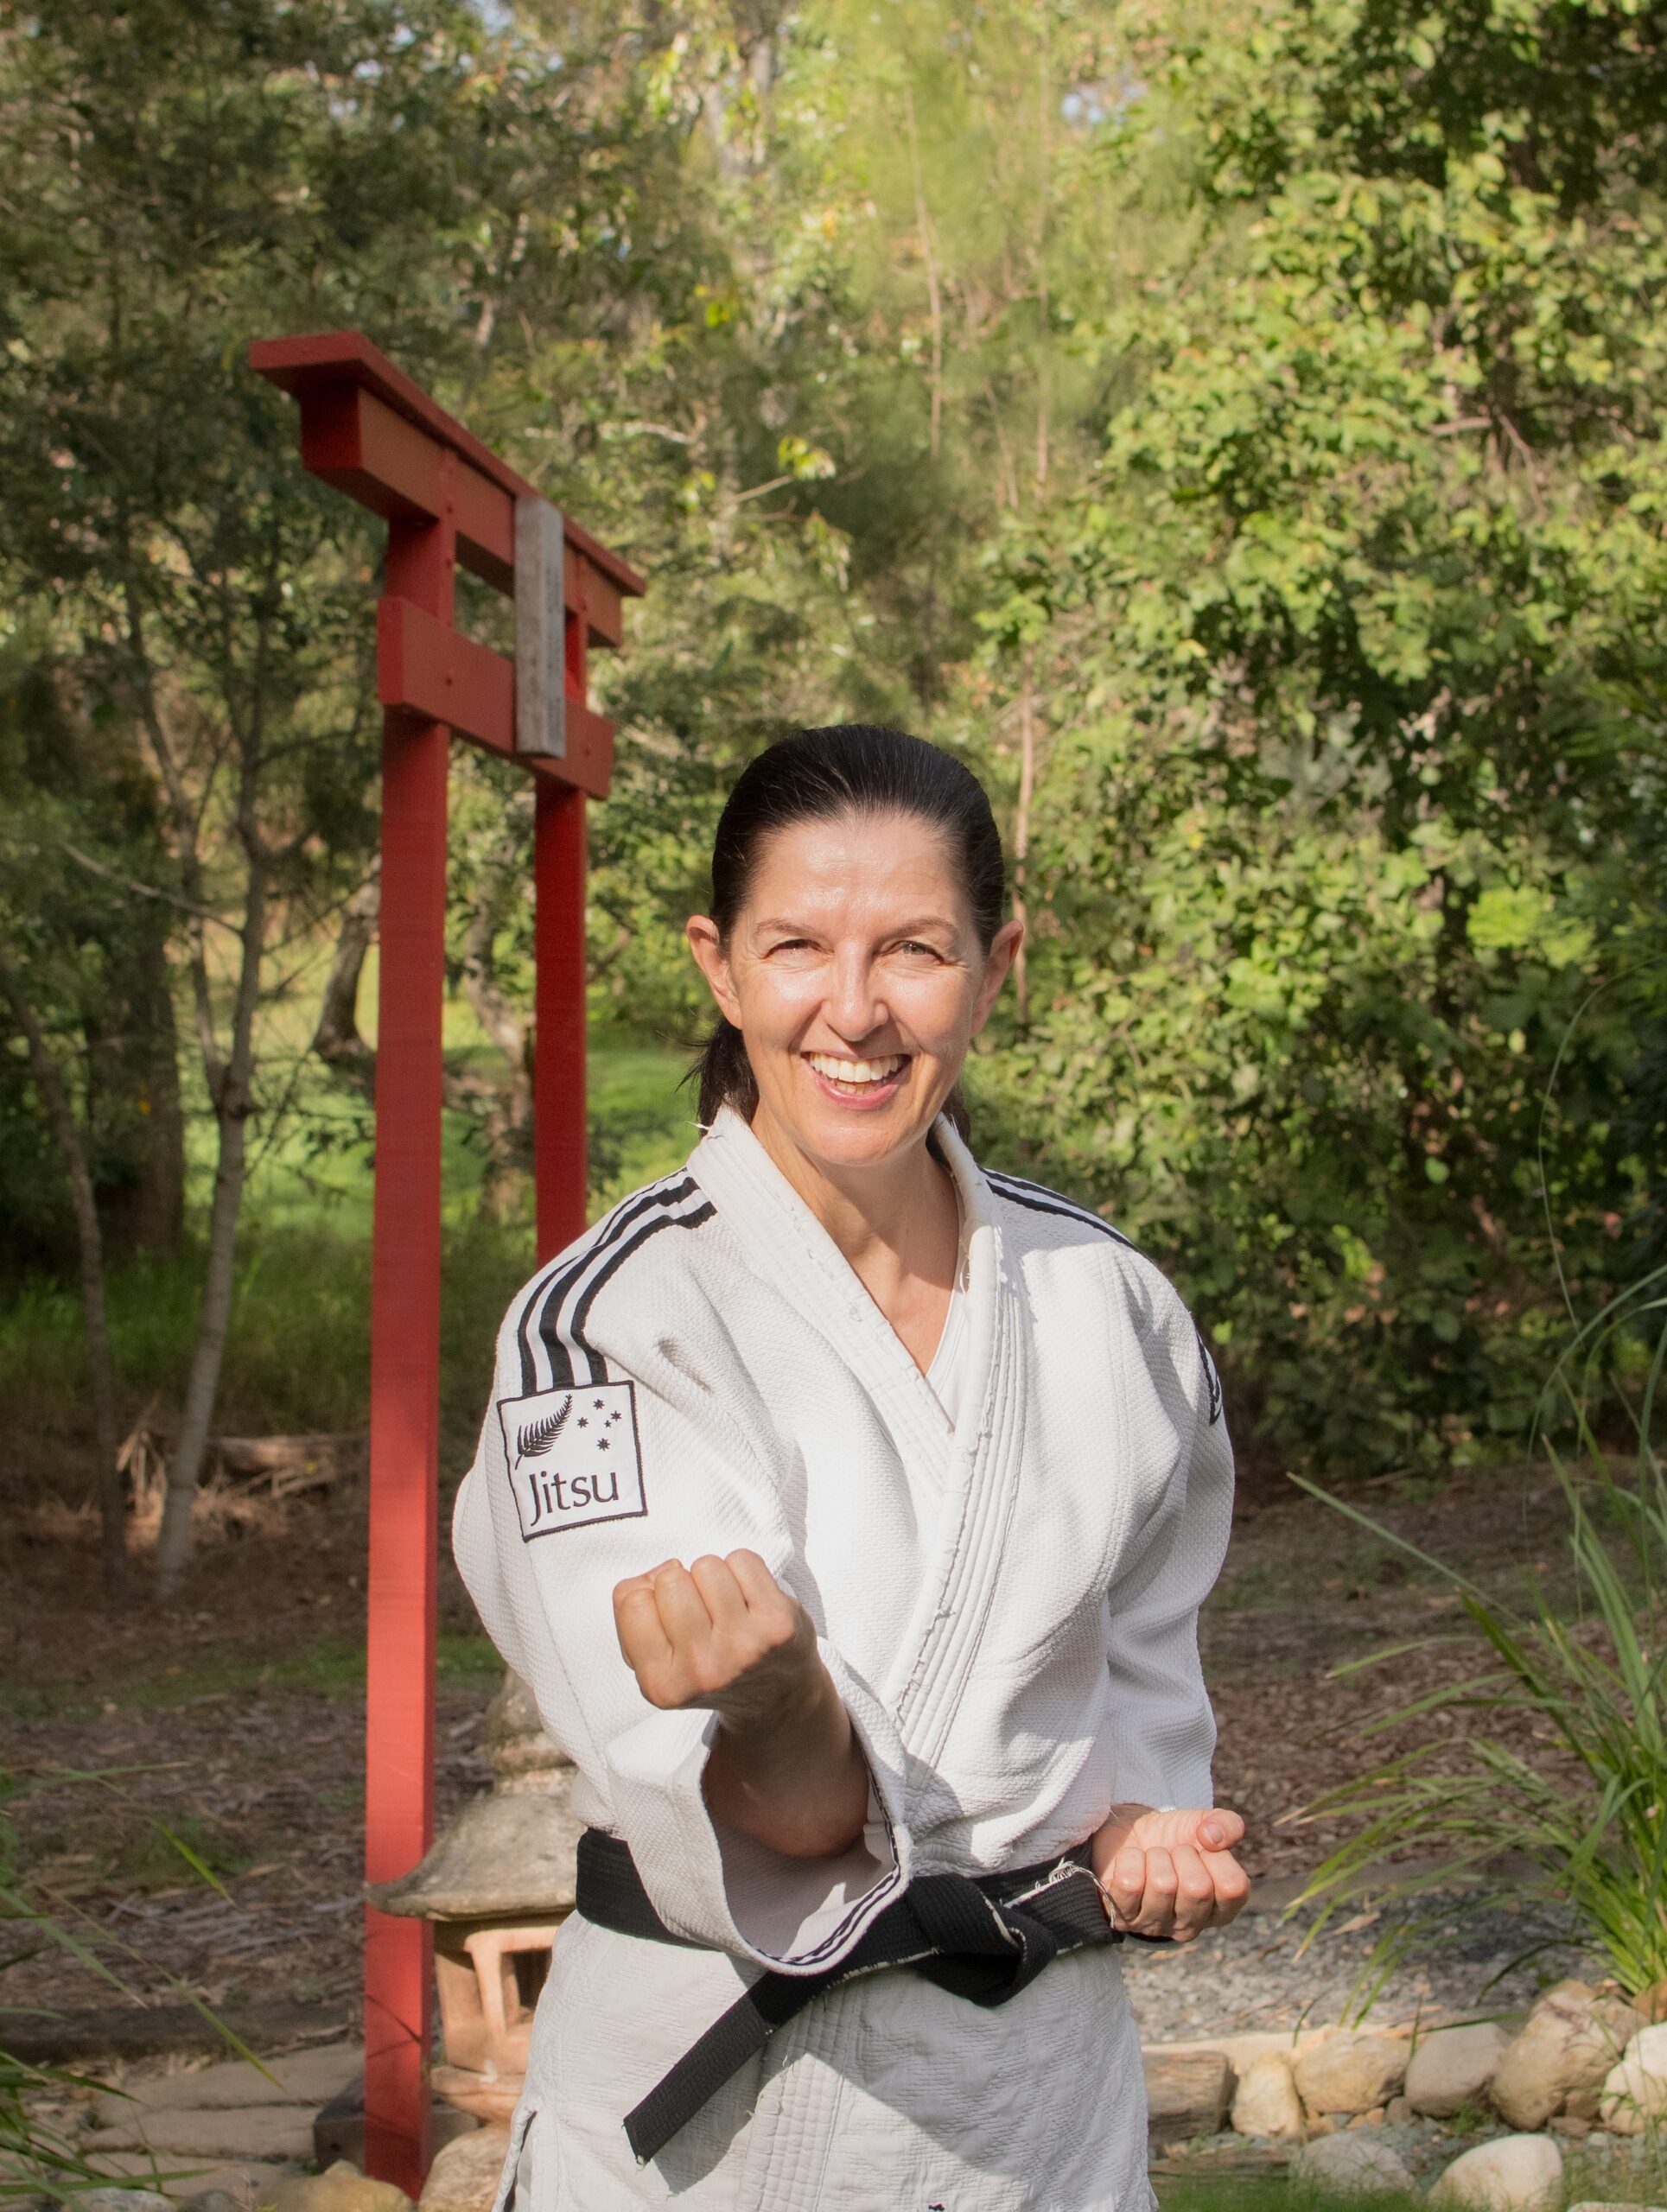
x=234 y=1722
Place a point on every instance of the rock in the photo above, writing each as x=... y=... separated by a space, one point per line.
x=1572 y=2039
x=264 y=2131
x=1398 y=2111
x=1351 y=2073
x=1513 y=2173
x=1595 y=2204
x=342 y=2188
x=1566 y=2123
x=304 y=2077
x=1451 y=2067
x=1188 y=2094
x=1265 y=2102
x=1351 y=2165
x=1650 y=2004
x=1583 y=2104
x=464 y=2177
x=123 y=2200
x=1635 y=2089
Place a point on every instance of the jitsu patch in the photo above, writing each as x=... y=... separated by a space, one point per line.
x=574 y=1456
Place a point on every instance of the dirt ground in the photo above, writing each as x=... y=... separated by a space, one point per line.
x=235 y=1723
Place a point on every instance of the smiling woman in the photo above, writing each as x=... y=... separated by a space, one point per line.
x=876 y=1654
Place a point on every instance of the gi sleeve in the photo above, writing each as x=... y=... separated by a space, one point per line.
x=547 y=1602
x=1162 y=1731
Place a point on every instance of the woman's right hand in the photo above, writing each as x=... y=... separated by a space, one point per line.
x=723 y=1633
x=786 y=1768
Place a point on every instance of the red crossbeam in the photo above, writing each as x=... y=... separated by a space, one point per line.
x=428 y=669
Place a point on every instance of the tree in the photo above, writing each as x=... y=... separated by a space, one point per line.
x=1355 y=653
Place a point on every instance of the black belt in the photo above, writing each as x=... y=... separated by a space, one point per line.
x=984 y=1937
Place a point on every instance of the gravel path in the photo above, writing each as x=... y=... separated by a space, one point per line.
x=1250 y=1976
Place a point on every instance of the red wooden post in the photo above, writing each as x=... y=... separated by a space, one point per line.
x=559 y=1070
x=558 y=1063
x=405 y=1381
x=368 y=429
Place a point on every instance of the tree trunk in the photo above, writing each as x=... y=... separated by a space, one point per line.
x=61 y=1115
x=934 y=295
x=185 y=1468
x=336 y=1038
x=233 y=1101
x=1021 y=835
x=133 y=1106
x=505 y=1119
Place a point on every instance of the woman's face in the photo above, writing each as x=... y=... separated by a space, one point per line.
x=855 y=976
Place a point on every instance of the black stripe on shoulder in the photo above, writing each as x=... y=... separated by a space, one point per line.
x=1040 y=1199
x=559 y=1278
x=572 y=1338
x=1212 y=1379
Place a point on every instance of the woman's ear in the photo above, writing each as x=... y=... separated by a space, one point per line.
x=707 y=946
x=1004 y=948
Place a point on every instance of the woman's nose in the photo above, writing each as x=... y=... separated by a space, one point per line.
x=854 y=1007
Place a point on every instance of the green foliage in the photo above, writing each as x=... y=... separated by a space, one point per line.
x=1592 y=1819
x=1353 y=654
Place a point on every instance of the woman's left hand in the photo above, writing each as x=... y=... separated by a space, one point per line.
x=1170 y=1874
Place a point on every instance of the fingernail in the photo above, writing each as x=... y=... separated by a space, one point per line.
x=1214 y=1834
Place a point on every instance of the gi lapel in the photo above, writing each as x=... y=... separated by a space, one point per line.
x=979 y=1503
x=976 y=1468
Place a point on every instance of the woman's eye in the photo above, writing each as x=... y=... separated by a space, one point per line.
x=914 y=944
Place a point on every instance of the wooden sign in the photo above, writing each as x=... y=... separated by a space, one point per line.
x=540 y=629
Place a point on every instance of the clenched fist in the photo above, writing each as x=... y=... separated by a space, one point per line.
x=1170 y=1874
x=723 y=1633
x=786 y=1769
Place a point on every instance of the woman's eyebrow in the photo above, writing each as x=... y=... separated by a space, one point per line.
x=913 y=925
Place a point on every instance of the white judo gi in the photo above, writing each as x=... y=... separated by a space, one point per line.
x=1009 y=1609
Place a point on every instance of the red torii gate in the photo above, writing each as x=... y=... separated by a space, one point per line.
x=368 y=429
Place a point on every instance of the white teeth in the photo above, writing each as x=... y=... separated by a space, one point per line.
x=853 y=1071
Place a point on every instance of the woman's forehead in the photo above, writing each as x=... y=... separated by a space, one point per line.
x=865 y=858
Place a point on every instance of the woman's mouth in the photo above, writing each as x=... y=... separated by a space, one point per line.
x=866 y=1080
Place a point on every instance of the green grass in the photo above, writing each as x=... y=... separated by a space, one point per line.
x=331 y=1666
x=297 y=1355
x=1261 y=2193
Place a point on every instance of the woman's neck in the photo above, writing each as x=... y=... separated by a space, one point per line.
x=897 y=1222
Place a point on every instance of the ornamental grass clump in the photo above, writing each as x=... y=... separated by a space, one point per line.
x=1589 y=1824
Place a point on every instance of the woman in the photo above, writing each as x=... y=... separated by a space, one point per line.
x=848 y=1508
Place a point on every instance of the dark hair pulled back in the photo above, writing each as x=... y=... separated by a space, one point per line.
x=816 y=775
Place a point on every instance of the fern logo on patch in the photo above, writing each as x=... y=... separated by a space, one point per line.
x=537 y=1437
x=574 y=1457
